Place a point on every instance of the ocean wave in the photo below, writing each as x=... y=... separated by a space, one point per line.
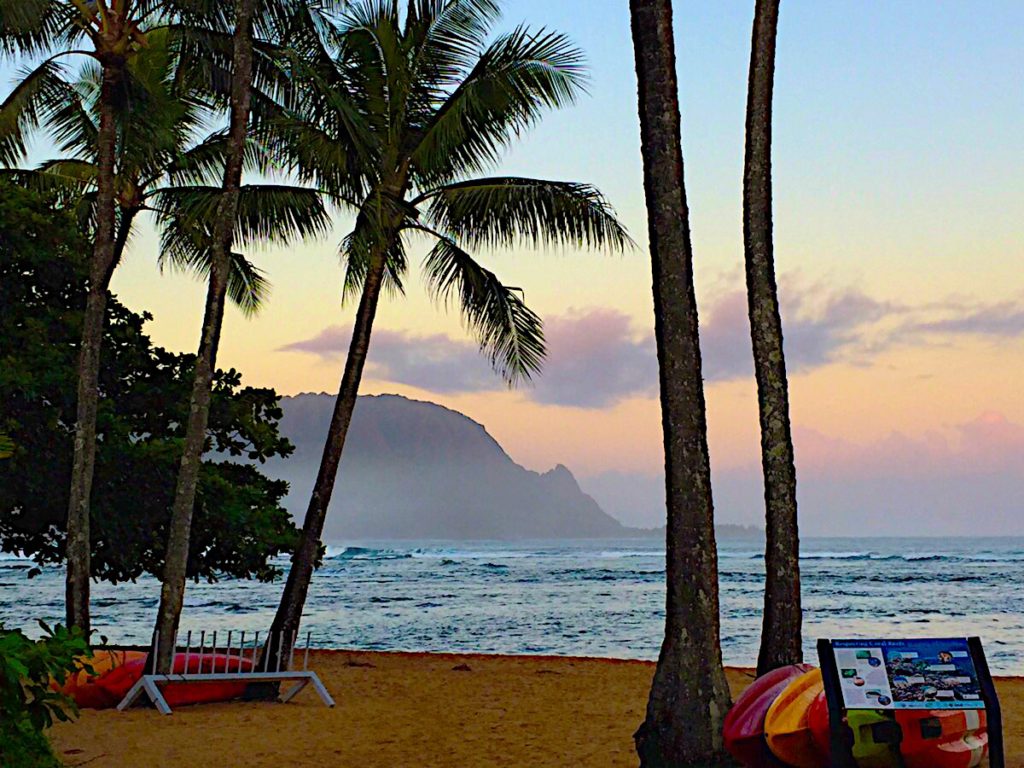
x=366 y=553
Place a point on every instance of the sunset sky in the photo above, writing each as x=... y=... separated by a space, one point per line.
x=899 y=200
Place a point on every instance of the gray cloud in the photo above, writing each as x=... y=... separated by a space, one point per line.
x=818 y=327
x=597 y=357
x=437 y=362
x=1001 y=320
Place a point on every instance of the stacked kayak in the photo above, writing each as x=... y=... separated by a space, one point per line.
x=115 y=672
x=783 y=718
x=744 y=725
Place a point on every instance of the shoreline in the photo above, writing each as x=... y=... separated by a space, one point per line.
x=435 y=710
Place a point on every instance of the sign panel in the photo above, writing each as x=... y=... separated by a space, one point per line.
x=907 y=674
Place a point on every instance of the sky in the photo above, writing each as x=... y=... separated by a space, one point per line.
x=899 y=196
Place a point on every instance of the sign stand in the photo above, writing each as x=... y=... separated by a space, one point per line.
x=841 y=737
x=993 y=713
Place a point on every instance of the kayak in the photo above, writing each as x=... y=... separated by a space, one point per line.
x=81 y=686
x=743 y=730
x=786 y=727
x=110 y=688
x=943 y=738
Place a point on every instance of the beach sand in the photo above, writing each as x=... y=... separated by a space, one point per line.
x=422 y=710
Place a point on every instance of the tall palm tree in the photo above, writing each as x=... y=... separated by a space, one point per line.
x=395 y=122
x=689 y=696
x=112 y=31
x=781 y=642
x=172 y=592
x=259 y=31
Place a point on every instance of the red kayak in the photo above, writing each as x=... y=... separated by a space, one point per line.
x=744 y=725
x=107 y=690
x=943 y=738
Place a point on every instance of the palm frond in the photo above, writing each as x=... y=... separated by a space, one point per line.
x=446 y=38
x=501 y=211
x=38 y=93
x=31 y=27
x=266 y=212
x=203 y=163
x=185 y=249
x=357 y=251
x=516 y=78
x=510 y=334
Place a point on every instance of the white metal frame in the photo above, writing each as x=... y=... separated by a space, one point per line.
x=149 y=684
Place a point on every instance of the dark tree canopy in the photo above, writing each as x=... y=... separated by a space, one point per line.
x=239 y=522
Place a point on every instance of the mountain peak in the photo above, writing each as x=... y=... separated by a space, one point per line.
x=416 y=469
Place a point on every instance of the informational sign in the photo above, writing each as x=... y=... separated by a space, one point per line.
x=907 y=674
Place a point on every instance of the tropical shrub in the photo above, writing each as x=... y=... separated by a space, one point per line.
x=28 y=703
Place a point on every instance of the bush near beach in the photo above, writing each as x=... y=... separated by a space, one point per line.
x=28 y=703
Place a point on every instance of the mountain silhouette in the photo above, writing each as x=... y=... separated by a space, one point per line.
x=418 y=470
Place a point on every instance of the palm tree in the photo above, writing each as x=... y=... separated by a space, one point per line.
x=258 y=31
x=781 y=631
x=113 y=31
x=162 y=169
x=689 y=696
x=172 y=592
x=395 y=122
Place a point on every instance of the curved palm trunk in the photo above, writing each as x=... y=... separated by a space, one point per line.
x=172 y=593
x=78 y=549
x=689 y=696
x=293 y=600
x=781 y=633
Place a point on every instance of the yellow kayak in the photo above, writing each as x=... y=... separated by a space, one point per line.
x=786 y=726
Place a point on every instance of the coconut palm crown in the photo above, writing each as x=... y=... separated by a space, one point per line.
x=166 y=166
x=400 y=112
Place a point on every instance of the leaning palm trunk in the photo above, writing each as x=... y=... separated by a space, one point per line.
x=689 y=696
x=84 y=461
x=172 y=593
x=289 y=611
x=780 y=634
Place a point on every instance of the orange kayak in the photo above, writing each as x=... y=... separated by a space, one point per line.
x=786 y=725
x=82 y=687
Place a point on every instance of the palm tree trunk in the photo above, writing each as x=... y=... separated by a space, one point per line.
x=780 y=634
x=293 y=600
x=78 y=547
x=689 y=696
x=172 y=593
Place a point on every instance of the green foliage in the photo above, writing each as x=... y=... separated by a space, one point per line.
x=27 y=667
x=239 y=522
x=6 y=447
x=28 y=703
x=22 y=746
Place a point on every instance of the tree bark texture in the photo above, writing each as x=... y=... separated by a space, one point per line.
x=172 y=593
x=293 y=600
x=77 y=548
x=781 y=642
x=689 y=696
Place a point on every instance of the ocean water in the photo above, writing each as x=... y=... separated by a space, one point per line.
x=590 y=598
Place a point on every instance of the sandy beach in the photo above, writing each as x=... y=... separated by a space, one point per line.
x=405 y=709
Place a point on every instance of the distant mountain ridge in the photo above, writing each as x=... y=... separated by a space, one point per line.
x=417 y=470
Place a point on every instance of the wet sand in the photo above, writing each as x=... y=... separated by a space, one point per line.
x=422 y=710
